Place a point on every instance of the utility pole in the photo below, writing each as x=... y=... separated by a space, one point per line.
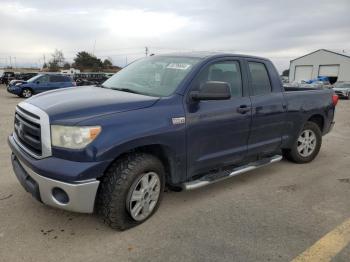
x=93 y=49
x=146 y=51
x=44 y=60
x=10 y=62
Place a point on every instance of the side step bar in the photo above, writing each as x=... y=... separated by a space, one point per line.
x=213 y=178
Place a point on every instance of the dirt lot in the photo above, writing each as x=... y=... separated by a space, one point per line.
x=271 y=214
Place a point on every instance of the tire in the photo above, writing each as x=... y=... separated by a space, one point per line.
x=305 y=156
x=26 y=93
x=122 y=179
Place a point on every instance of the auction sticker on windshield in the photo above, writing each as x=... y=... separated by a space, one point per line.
x=180 y=66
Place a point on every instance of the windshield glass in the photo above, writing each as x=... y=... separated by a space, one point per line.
x=33 y=79
x=153 y=76
x=342 y=85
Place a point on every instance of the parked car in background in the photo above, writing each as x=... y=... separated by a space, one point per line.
x=6 y=77
x=342 y=89
x=26 y=76
x=40 y=83
x=83 y=79
x=108 y=75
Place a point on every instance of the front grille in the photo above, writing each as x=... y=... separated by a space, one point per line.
x=28 y=131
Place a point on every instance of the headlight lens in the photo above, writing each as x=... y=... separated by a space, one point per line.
x=73 y=137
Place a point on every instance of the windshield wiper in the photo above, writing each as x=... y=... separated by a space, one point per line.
x=126 y=90
x=101 y=85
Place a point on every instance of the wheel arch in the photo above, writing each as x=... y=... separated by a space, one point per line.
x=162 y=152
x=318 y=120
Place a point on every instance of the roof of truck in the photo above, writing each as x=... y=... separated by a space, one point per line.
x=205 y=54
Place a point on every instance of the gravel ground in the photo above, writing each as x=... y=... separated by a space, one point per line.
x=270 y=214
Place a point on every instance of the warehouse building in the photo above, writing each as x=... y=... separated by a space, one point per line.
x=322 y=62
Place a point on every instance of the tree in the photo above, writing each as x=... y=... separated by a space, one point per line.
x=84 y=60
x=56 y=61
x=285 y=72
x=53 y=66
x=107 y=63
x=66 y=65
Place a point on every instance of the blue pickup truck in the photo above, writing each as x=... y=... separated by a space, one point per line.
x=38 y=84
x=182 y=120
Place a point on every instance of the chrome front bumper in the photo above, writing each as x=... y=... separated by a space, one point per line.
x=79 y=196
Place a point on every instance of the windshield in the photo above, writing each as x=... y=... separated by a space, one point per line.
x=33 y=79
x=342 y=85
x=153 y=76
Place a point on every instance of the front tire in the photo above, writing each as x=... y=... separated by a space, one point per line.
x=26 y=93
x=307 y=145
x=131 y=190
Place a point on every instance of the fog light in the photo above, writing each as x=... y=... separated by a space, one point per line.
x=60 y=195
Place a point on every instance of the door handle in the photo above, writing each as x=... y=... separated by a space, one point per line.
x=243 y=109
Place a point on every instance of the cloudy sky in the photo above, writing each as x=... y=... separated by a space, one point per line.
x=279 y=30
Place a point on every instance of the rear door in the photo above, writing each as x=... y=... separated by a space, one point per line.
x=57 y=81
x=218 y=131
x=268 y=108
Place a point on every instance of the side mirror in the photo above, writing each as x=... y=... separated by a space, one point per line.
x=212 y=90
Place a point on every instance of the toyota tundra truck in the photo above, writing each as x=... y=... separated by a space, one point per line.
x=181 y=121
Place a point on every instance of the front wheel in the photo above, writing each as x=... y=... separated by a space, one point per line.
x=26 y=93
x=306 y=146
x=131 y=191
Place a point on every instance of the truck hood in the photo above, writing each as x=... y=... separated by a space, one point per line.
x=75 y=104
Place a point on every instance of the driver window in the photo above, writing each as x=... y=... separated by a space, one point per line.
x=43 y=79
x=225 y=71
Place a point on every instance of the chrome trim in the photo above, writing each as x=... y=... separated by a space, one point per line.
x=44 y=125
x=24 y=148
x=202 y=182
x=81 y=194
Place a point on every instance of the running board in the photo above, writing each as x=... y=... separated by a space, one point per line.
x=213 y=178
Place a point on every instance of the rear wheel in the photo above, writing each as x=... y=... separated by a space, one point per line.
x=26 y=93
x=307 y=145
x=131 y=191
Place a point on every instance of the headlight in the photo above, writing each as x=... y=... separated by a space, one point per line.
x=73 y=137
x=18 y=84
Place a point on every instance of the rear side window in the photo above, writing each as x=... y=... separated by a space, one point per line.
x=56 y=79
x=260 y=79
x=59 y=79
x=66 y=79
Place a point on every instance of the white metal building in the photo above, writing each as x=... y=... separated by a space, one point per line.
x=321 y=62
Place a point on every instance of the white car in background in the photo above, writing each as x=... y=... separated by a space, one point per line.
x=342 y=89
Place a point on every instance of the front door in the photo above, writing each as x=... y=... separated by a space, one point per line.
x=42 y=84
x=217 y=131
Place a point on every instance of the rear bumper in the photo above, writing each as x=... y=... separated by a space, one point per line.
x=78 y=197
